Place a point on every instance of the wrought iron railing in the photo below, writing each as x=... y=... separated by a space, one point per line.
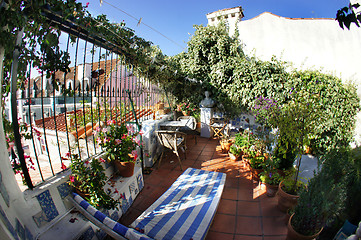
x=50 y=121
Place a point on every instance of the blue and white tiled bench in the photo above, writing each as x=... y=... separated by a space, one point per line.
x=184 y=211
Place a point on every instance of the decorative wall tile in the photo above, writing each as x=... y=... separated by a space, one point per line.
x=28 y=234
x=20 y=229
x=3 y=191
x=140 y=182
x=125 y=203
x=64 y=190
x=7 y=223
x=88 y=234
x=40 y=219
x=132 y=188
x=100 y=234
x=47 y=205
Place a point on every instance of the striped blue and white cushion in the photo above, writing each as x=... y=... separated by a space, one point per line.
x=186 y=209
x=126 y=232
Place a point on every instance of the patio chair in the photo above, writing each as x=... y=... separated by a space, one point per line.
x=173 y=140
x=218 y=126
x=190 y=126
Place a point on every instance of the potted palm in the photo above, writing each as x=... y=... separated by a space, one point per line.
x=88 y=180
x=119 y=143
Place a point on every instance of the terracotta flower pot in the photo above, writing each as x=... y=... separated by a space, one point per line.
x=293 y=235
x=186 y=113
x=125 y=169
x=255 y=172
x=271 y=190
x=82 y=194
x=285 y=200
x=233 y=157
x=226 y=145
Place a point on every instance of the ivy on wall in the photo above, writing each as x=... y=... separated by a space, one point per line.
x=236 y=81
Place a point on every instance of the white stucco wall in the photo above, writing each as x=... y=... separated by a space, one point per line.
x=313 y=43
x=307 y=43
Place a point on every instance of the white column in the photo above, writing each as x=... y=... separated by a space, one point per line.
x=206 y=115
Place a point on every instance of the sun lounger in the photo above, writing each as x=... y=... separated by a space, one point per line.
x=184 y=211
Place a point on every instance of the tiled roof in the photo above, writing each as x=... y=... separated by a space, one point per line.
x=59 y=121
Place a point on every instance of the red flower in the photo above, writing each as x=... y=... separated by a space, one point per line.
x=101 y=160
x=63 y=167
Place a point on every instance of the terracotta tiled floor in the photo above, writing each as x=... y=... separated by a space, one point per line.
x=244 y=212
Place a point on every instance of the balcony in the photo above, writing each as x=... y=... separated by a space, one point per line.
x=244 y=212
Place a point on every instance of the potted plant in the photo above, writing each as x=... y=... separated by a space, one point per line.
x=235 y=152
x=271 y=179
x=318 y=202
x=295 y=119
x=271 y=176
x=288 y=192
x=119 y=143
x=256 y=163
x=186 y=108
x=226 y=143
x=88 y=180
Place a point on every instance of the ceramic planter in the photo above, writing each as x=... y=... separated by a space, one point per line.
x=285 y=200
x=125 y=169
x=293 y=235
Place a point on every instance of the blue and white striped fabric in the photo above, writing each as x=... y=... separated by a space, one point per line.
x=128 y=233
x=186 y=209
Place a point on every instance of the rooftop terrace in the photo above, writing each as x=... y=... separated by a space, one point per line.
x=244 y=212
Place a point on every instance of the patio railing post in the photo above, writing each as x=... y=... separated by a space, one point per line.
x=14 y=109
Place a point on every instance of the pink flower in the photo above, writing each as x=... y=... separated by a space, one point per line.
x=101 y=160
x=63 y=167
x=118 y=141
x=106 y=140
x=97 y=129
x=104 y=130
x=87 y=4
x=71 y=178
x=99 y=141
x=124 y=136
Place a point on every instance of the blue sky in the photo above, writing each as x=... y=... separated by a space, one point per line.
x=175 y=19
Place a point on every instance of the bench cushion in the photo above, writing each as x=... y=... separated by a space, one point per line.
x=186 y=209
x=122 y=230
